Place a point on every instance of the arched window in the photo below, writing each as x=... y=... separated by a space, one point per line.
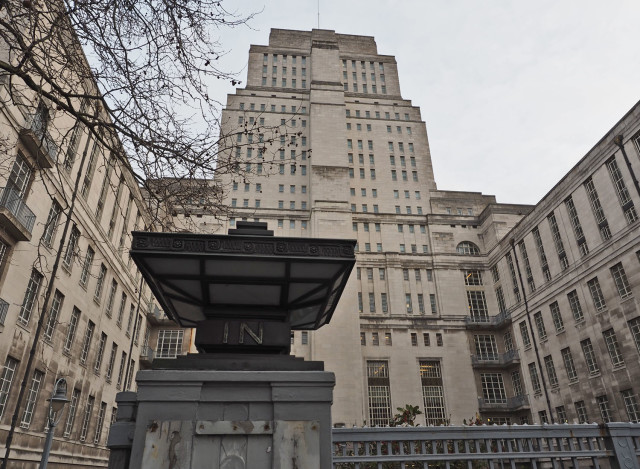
x=468 y=248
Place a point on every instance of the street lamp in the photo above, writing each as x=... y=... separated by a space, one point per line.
x=56 y=402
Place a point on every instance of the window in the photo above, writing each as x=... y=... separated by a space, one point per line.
x=621 y=190
x=556 y=317
x=387 y=338
x=502 y=307
x=405 y=272
x=111 y=297
x=574 y=303
x=432 y=299
x=577 y=227
x=596 y=294
x=581 y=411
x=620 y=279
x=541 y=254
x=71 y=331
x=477 y=305
x=112 y=360
x=383 y=301
x=590 y=357
x=514 y=281
x=100 y=283
x=6 y=379
x=32 y=397
x=100 y=354
x=432 y=392
x=372 y=303
x=516 y=381
x=486 y=347
x=535 y=379
x=631 y=405
x=603 y=405
x=363 y=338
x=86 y=267
x=100 y=423
x=542 y=331
x=569 y=366
x=557 y=241
x=468 y=248
x=86 y=420
x=73 y=407
x=54 y=312
x=421 y=303
x=472 y=277
x=378 y=390
x=304 y=337
x=527 y=266
x=86 y=344
x=123 y=364
x=508 y=341
x=551 y=371
x=524 y=332
x=598 y=212
x=52 y=223
x=634 y=326
x=613 y=347
x=33 y=288
x=408 y=303
x=493 y=388
x=123 y=302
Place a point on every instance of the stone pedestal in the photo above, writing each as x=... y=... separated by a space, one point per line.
x=232 y=412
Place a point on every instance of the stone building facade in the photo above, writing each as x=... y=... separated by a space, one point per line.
x=432 y=315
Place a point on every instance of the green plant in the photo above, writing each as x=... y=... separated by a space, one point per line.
x=406 y=416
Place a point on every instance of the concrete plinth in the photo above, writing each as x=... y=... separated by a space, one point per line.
x=189 y=417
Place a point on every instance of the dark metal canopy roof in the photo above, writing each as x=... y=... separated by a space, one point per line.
x=245 y=275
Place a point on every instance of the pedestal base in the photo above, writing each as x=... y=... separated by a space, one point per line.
x=274 y=412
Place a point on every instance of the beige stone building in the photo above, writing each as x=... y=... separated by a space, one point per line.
x=432 y=316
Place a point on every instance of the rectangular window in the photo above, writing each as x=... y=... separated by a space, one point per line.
x=514 y=281
x=502 y=306
x=524 y=332
x=123 y=304
x=557 y=241
x=597 y=210
x=432 y=299
x=86 y=267
x=71 y=416
x=590 y=357
x=123 y=364
x=111 y=298
x=8 y=372
x=387 y=338
x=372 y=303
x=100 y=283
x=621 y=190
x=574 y=303
x=363 y=338
x=86 y=344
x=631 y=405
x=569 y=366
x=581 y=411
x=54 y=312
x=86 y=419
x=426 y=339
x=621 y=281
x=432 y=392
x=508 y=341
x=613 y=347
x=169 y=343
x=541 y=254
x=516 y=381
x=383 y=301
x=577 y=227
x=52 y=224
x=551 y=371
x=556 y=316
x=112 y=361
x=421 y=303
x=414 y=339
x=477 y=305
x=603 y=405
x=596 y=295
x=408 y=304
x=30 y=296
x=100 y=423
x=71 y=331
x=634 y=326
x=32 y=398
x=486 y=347
x=379 y=394
x=472 y=277
x=100 y=353
x=535 y=379
x=542 y=331
x=493 y=388
x=527 y=266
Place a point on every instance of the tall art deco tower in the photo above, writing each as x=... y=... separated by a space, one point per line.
x=451 y=289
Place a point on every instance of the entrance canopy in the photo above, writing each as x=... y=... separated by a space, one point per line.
x=246 y=275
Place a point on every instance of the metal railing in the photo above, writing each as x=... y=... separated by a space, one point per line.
x=4 y=306
x=495 y=358
x=497 y=320
x=147 y=353
x=508 y=403
x=615 y=445
x=11 y=200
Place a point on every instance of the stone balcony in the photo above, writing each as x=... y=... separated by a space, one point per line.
x=508 y=404
x=38 y=141
x=484 y=322
x=15 y=216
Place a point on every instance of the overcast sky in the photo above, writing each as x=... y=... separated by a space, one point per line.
x=513 y=92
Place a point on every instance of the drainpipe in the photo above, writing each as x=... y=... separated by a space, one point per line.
x=535 y=343
x=618 y=141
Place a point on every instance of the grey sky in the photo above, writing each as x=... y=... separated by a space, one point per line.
x=513 y=93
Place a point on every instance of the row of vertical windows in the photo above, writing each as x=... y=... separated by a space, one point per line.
x=384 y=303
x=294 y=109
x=387 y=116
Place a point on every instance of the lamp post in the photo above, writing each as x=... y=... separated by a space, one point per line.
x=56 y=402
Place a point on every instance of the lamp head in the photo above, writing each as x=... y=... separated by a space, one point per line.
x=59 y=396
